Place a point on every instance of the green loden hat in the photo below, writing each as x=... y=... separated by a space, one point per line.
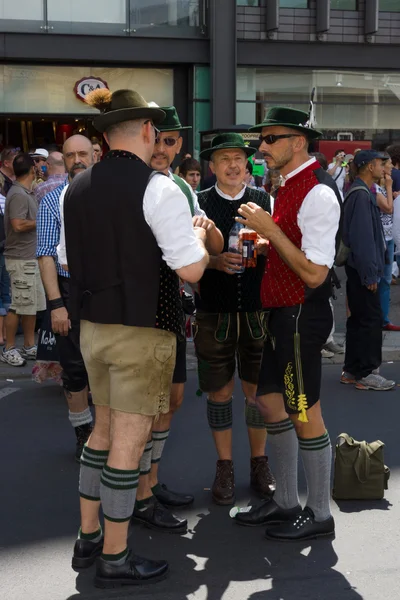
x=227 y=140
x=171 y=121
x=120 y=106
x=283 y=116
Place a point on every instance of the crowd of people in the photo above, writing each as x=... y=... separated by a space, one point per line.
x=107 y=242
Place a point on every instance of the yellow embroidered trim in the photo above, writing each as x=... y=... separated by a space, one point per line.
x=302 y=404
x=289 y=385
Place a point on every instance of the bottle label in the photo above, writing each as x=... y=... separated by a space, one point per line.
x=248 y=248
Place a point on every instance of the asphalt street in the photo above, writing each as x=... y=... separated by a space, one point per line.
x=217 y=560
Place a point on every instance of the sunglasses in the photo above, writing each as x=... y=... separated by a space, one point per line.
x=271 y=138
x=169 y=141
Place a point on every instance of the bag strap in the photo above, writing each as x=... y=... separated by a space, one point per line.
x=337 y=176
x=185 y=189
x=350 y=441
x=362 y=463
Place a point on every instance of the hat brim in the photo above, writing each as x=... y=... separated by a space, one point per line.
x=248 y=150
x=312 y=134
x=105 y=120
x=173 y=128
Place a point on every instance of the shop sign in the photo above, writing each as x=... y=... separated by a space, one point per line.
x=88 y=84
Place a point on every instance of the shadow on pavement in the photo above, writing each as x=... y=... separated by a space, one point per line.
x=356 y=506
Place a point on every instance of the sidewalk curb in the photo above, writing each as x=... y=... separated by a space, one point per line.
x=388 y=355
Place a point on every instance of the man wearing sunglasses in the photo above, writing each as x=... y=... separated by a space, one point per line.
x=168 y=145
x=296 y=289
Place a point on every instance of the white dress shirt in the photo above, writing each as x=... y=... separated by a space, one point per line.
x=167 y=213
x=238 y=196
x=318 y=220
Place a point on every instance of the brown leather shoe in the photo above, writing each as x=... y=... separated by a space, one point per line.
x=223 y=489
x=261 y=479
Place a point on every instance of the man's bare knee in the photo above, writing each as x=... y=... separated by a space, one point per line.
x=224 y=394
x=100 y=437
x=177 y=394
x=272 y=407
x=129 y=434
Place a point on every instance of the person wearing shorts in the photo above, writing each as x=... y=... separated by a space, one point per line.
x=125 y=266
x=27 y=293
x=295 y=291
x=158 y=497
x=228 y=331
x=78 y=156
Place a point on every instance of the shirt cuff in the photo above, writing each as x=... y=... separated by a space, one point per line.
x=319 y=258
x=192 y=256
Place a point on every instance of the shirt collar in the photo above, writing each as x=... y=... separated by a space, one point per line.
x=23 y=187
x=239 y=196
x=298 y=170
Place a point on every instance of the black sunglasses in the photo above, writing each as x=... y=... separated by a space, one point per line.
x=271 y=138
x=169 y=141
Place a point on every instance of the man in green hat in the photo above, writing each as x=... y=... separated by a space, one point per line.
x=296 y=289
x=229 y=330
x=167 y=145
x=125 y=266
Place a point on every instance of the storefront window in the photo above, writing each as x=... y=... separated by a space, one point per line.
x=166 y=18
x=78 y=16
x=349 y=104
x=344 y=4
x=248 y=2
x=21 y=15
x=389 y=6
x=293 y=3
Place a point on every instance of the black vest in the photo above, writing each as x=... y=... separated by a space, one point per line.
x=220 y=292
x=117 y=273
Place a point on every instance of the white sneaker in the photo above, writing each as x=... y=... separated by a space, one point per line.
x=375 y=382
x=29 y=353
x=326 y=353
x=12 y=357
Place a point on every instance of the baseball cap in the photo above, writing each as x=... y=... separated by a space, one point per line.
x=40 y=152
x=366 y=156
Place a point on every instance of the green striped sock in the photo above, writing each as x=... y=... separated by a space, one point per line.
x=145 y=461
x=281 y=427
x=219 y=415
x=118 y=493
x=284 y=450
x=92 y=463
x=317 y=460
x=116 y=559
x=159 y=440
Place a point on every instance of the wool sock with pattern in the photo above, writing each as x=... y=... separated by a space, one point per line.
x=92 y=464
x=317 y=460
x=159 y=440
x=219 y=415
x=80 y=418
x=284 y=450
x=145 y=461
x=118 y=493
x=254 y=418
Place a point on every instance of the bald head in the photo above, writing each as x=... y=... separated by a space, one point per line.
x=55 y=163
x=78 y=154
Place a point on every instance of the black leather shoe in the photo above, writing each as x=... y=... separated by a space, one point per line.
x=135 y=571
x=85 y=553
x=267 y=512
x=172 y=499
x=156 y=516
x=261 y=478
x=303 y=527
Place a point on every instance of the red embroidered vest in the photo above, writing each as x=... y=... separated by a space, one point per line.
x=280 y=285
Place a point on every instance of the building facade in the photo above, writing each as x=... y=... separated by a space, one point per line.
x=221 y=62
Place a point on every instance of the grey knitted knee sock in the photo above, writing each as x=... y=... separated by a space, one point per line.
x=283 y=444
x=118 y=493
x=317 y=460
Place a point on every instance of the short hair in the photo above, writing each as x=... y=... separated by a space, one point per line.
x=95 y=140
x=394 y=153
x=339 y=151
x=321 y=158
x=22 y=164
x=125 y=128
x=189 y=164
x=8 y=152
